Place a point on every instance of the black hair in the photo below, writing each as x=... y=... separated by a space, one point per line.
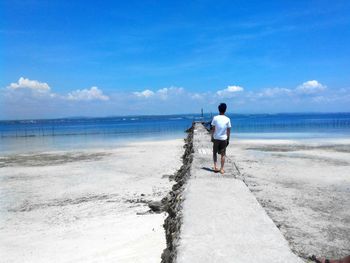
x=222 y=107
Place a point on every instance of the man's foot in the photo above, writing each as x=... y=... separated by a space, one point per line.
x=222 y=171
x=216 y=170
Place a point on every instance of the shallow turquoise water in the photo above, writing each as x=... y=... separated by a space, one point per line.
x=83 y=133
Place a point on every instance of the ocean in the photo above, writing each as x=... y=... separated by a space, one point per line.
x=79 y=133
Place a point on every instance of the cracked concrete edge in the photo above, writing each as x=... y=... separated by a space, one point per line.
x=172 y=203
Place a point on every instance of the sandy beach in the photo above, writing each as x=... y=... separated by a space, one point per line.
x=91 y=205
x=86 y=206
x=304 y=186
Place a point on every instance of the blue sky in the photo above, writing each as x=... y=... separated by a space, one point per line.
x=88 y=58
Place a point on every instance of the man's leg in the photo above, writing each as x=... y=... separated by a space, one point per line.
x=222 y=150
x=215 y=157
x=222 y=163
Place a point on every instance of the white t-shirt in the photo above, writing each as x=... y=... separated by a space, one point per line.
x=221 y=123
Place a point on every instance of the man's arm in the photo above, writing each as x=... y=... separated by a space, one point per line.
x=213 y=122
x=228 y=132
x=212 y=133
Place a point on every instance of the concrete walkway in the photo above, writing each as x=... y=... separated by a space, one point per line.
x=222 y=220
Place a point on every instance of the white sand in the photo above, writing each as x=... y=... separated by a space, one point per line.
x=82 y=206
x=304 y=185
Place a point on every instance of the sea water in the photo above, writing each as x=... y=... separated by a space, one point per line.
x=79 y=133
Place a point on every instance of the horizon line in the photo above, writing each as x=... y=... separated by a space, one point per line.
x=172 y=114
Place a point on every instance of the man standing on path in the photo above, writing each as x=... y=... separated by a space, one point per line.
x=220 y=136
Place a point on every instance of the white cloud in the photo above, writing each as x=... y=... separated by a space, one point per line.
x=321 y=99
x=144 y=94
x=310 y=87
x=94 y=93
x=165 y=92
x=229 y=91
x=197 y=96
x=33 y=89
x=24 y=83
x=234 y=88
x=274 y=92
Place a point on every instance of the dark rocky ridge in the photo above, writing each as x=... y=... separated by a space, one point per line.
x=172 y=203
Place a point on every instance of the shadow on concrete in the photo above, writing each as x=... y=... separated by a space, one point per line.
x=209 y=169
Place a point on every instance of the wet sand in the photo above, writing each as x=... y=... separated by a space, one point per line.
x=305 y=188
x=86 y=206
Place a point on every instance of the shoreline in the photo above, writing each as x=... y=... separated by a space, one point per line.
x=99 y=146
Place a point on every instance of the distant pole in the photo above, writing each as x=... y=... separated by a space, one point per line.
x=202 y=112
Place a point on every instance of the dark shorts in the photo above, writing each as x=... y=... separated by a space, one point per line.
x=220 y=147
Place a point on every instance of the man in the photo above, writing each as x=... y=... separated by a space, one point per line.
x=221 y=128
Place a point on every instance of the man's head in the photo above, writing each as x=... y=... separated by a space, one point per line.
x=222 y=108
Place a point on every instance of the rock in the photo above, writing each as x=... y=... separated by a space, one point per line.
x=172 y=203
x=156 y=206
